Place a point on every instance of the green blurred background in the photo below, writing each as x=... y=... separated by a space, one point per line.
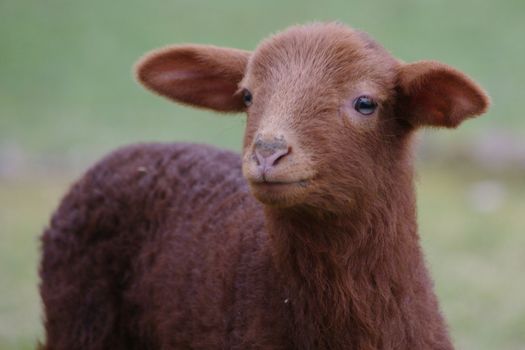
x=67 y=97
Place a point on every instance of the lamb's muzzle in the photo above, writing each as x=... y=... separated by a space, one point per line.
x=269 y=151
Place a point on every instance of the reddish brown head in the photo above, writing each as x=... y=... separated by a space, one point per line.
x=329 y=110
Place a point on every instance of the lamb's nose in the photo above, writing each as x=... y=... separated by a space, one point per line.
x=269 y=152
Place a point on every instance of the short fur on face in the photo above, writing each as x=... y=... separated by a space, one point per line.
x=305 y=83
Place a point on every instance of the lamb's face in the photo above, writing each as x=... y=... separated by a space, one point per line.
x=319 y=99
x=329 y=110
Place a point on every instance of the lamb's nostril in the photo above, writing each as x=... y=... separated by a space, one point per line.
x=269 y=158
x=278 y=155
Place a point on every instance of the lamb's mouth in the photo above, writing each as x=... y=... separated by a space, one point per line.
x=280 y=192
x=281 y=184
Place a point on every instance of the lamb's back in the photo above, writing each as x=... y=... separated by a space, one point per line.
x=148 y=240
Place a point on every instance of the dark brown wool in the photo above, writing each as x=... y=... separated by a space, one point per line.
x=307 y=241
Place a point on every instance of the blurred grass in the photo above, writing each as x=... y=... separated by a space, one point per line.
x=67 y=96
x=26 y=205
x=476 y=257
x=65 y=66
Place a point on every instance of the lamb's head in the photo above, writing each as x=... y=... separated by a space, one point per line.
x=329 y=110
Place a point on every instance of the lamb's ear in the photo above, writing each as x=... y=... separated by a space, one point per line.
x=434 y=94
x=198 y=75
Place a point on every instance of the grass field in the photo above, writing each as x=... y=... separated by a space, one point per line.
x=67 y=96
x=65 y=66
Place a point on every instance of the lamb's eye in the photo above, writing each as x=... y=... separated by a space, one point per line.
x=365 y=105
x=247 y=97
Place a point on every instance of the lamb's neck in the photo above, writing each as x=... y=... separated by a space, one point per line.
x=348 y=272
x=355 y=244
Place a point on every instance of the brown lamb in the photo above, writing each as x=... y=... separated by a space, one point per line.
x=307 y=241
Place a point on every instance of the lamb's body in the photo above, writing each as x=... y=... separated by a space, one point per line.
x=139 y=226
x=164 y=246
x=145 y=252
